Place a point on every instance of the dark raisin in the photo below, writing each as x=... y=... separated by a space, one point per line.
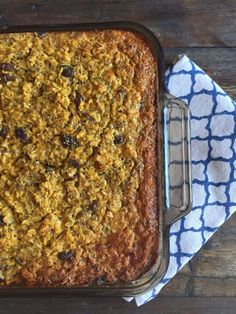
x=7 y=67
x=93 y=206
x=41 y=34
x=66 y=256
x=97 y=165
x=49 y=168
x=25 y=156
x=3 y=267
x=87 y=116
x=70 y=179
x=73 y=163
x=95 y=151
x=78 y=98
x=122 y=92
x=3 y=131
x=101 y=280
x=2 y=223
x=69 y=141
x=19 y=260
x=4 y=78
x=21 y=135
x=119 y=139
x=67 y=71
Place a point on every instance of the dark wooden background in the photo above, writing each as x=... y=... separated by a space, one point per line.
x=206 y=31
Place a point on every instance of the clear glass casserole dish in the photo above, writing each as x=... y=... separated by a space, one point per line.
x=173 y=166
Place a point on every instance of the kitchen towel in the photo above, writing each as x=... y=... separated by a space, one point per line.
x=213 y=146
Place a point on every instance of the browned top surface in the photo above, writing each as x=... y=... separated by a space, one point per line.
x=78 y=159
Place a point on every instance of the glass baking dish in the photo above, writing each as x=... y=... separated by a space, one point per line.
x=174 y=168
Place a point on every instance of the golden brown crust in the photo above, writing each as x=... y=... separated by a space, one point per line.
x=121 y=243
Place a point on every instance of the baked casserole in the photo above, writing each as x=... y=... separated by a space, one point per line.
x=78 y=179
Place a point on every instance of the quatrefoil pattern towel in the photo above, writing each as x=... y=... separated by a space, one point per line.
x=213 y=129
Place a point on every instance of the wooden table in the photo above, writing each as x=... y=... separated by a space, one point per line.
x=206 y=31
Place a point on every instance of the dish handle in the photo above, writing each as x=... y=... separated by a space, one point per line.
x=177 y=159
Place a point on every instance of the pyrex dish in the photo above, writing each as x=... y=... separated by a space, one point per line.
x=173 y=166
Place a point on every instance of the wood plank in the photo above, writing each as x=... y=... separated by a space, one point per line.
x=214 y=287
x=218 y=257
x=199 y=286
x=189 y=23
x=179 y=286
x=102 y=306
x=213 y=269
x=219 y=63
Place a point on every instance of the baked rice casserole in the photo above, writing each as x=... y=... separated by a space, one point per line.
x=78 y=178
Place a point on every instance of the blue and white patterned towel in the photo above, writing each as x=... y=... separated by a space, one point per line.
x=213 y=131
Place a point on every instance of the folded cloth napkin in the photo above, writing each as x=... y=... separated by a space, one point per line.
x=213 y=145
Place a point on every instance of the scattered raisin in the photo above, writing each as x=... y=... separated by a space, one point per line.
x=67 y=71
x=25 y=156
x=65 y=256
x=69 y=141
x=78 y=98
x=3 y=131
x=101 y=280
x=70 y=179
x=19 y=260
x=3 y=266
x=95 y=151
x=87 y=116
x=93 y=206
x=4 y=78
x=49 y=168
x=2 y=223
x=97 y=165
x=7 y=67
x=122 y=92
x=119 y=139
x=41 y=34
x=21 y=135
x=73 y=163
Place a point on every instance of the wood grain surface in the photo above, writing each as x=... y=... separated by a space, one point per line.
x=205 y=30
x=178 y=23
x=114 y=306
